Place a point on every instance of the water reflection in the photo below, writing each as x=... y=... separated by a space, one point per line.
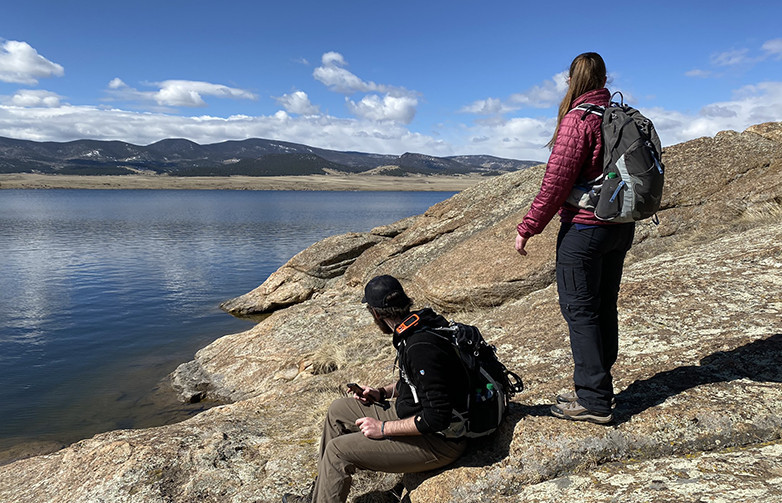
x=105 y=292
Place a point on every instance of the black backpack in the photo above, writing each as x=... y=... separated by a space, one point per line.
x=492 y=385
x=631 y=185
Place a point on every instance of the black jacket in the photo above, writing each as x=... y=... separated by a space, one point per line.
x=432 y=381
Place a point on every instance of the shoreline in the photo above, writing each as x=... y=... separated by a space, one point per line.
x=17 y=448
x=160 y=407
x=348 y=182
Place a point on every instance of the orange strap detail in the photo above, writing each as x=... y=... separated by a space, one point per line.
x=411 y=321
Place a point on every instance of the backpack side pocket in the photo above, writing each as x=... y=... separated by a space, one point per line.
x=609 y=205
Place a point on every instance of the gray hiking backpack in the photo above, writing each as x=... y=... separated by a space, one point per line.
x=631 y=185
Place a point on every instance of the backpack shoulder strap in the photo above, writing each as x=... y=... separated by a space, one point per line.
x=589 y=108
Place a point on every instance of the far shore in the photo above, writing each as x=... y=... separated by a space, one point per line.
x=355 y=182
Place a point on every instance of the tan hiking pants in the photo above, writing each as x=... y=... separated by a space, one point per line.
x=343 y=449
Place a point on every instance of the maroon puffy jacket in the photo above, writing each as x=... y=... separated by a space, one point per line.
x=577 y=155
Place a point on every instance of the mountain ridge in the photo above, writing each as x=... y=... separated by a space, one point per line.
x=250 y=157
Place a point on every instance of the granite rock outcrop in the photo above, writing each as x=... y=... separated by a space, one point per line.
x=699 y=400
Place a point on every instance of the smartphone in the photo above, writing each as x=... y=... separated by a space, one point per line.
x=355 y=388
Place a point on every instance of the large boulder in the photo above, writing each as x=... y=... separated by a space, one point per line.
x=306 y=274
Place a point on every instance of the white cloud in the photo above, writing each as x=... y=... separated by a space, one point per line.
x=379 y=125
x=188 y=93
x=333 y=74
x=76 y=122
x=394 y=108
x=524 y=138
x=741 y=58
x=117 y=83
x=176 y=93
x=751 y=105
x=332 y=58
x=396 y=104
x=35 y=98
x=730 y=58
x=698 y=73
x=773 y=48
x=489 y=106
x=517 y=138
x=298 y=103
x=545 y=95
x=718 y=111
x=21 y=64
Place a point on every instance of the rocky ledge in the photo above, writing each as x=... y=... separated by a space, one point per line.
x=699 y=409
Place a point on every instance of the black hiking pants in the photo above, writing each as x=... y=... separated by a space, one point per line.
x=589 y=269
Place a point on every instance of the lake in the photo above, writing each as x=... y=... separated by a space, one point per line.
x=105 y=292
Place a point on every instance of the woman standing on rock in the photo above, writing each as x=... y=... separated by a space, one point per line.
x=590 y=252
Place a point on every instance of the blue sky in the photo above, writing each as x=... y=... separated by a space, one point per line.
x=435 y=77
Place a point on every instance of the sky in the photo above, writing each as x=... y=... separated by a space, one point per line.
x=433 y=77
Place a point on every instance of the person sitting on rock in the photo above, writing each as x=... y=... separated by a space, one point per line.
x=401 y=427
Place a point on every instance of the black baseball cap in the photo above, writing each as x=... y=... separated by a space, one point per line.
x=378 y=292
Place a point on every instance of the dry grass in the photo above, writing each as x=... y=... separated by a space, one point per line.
x=329 y=357
x=362 y=358
x=304 y=182
x=763 y=213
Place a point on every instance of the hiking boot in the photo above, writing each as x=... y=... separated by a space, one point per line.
x=574 y=411
x=570 y=396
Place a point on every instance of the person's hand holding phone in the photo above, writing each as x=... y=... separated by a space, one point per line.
x=365 y=395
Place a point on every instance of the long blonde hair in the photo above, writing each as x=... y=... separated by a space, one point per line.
x=587 y=73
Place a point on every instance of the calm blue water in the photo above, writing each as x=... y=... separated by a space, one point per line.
x=105 y=292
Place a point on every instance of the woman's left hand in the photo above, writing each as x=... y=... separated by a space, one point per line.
x=521 y=242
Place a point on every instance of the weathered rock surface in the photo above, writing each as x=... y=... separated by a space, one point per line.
x=699 y=413
x=306 y=274
x=735 y=475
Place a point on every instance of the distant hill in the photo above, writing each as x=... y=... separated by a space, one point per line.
x=252 y=157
